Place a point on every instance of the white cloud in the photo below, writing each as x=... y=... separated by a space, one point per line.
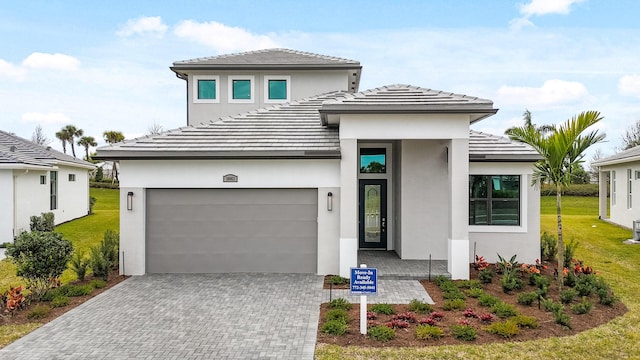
x=9 y=70
x=45 y=118
x=39 y=60
x=629 y=85
x=552 y=92
x=544 y=7
x=221 y=37
x=152 y=25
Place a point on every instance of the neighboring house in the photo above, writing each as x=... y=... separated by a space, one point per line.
x=35 y=179
x=286 y=167
x=107 y=169
x=622 y=171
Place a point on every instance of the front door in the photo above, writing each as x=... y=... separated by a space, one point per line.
x=373 y=214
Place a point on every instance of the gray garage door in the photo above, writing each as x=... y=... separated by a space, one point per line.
x=231 y=230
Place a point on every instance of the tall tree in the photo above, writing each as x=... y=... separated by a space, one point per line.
x=39 y=137
x=113 y=137
x=561 y=149
x=86 y=142
x=72 y=134
x=63 y=136
x=631 y=137
x=528 y=122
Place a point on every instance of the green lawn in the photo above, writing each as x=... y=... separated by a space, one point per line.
x=600 y=247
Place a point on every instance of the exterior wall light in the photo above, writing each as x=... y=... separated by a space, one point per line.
x=330 y=201
x=130 y=200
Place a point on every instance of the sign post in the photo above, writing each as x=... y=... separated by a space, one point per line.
x=364 y=281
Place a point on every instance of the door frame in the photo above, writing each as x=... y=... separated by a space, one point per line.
x=383 y=214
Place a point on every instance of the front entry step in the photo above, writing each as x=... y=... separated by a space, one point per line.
x=391 y=267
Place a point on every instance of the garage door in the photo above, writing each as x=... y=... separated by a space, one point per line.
x=231 y=230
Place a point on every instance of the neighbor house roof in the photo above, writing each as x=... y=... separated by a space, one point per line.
x=625 y=156
x=18 y=153
x=401 y=98
x=291 y=130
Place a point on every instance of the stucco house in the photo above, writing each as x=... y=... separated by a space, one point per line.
x=36 y=179
x=621 y=174
x=285 y=166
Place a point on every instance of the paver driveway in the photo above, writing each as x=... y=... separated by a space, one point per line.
x=216 y=316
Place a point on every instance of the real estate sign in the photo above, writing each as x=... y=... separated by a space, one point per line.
x=364 y=281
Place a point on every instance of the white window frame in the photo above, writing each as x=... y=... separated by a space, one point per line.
x=230 y=88
x=629 y=189
x=266 y=88
x=196 y=78
x=613 y=187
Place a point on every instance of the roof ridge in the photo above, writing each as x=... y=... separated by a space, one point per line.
x=260 y=51
x=30 y=152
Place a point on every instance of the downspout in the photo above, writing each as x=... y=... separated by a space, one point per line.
x=185 y=77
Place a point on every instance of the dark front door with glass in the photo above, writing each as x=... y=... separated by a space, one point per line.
x=373 y=214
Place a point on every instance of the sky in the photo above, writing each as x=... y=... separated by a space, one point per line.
x=105 y=65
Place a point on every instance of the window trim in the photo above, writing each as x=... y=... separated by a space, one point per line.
x=522 y=208
x=72 y=177
x=268 y=78
x=196 y=92
x=43 y=179
x=53 y=190
x=230 y=79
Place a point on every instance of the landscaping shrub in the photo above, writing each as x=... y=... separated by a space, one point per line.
x=99 y=264
x=397 y=324
x=440 y=279
x=542 y=293
x=337 y=314
x=437 y=315
x=507 y=329
x=551 y=306
x=334 y=327
x=38 y=312
x=405 y=316
x=585 y=285
x=382 y=309
x=452 y=294
x=43 y=223
x=567 y=296
x=527 y=298
x=79 y=265
x=503 y=265
x=77 y=290
x=525 y=321
x=469 y=284
x=486 y=317
x=486 y=275
x=510 y=281
x=487 y=300
x=540 y=281
x=12 y=300
x=583 y=307
x=99 y=284
x=40 y=258
x=425 y=332
x=338 y=280
x=570 y=279
x=504 y=310
x=561 y=318
x=92 y=203
x=381 y=333
x=475 y=292
x=104 y=256
x=420 y=307
x=464 y=332
x=454 y=304
x=569 y=252
x=606 y=297
x=59 y=301
x=548 y=246
x=571 y=190
x=339 y=303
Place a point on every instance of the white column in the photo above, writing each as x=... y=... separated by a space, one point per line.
x=132 y=232
x=602 y=194
x=458 y=243
x=348 y=205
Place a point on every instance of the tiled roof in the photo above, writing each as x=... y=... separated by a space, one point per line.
x=488 y=147
x=628 y=155
x=268 y=58
x=17 y=151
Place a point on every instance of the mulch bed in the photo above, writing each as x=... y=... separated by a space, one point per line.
x=600 y=314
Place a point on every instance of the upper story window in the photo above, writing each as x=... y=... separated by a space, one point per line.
x=241 y=89
x=206 y=89
x=277 y=88
x=373 y=161
x=494 y=200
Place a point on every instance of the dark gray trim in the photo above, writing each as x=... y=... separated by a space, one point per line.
x=504 y=158
x=328 y=109
x=195 y=155
x=184 y=67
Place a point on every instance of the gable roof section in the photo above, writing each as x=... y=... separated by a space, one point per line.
x=488 y=147
x=407 y=99
x=17 y=153
x=625 y=156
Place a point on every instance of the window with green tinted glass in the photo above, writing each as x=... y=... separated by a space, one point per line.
x=241 y=90
x=494 y=200
x=207 y=89
x=277 y=89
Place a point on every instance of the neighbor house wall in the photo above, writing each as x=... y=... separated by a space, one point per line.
x=6 y=205
x=138 y=175
x=32 y=198
x=522 y=240
x=619 y=212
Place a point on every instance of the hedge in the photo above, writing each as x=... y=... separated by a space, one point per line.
x=572 y=190
x=105 y=185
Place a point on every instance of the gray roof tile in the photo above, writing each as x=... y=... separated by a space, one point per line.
x=15 y=150
x=488 y=147
x=628 y=155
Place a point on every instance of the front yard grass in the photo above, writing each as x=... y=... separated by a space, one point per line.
x=601 y=247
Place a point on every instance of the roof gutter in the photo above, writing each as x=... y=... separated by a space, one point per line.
x=215 y=155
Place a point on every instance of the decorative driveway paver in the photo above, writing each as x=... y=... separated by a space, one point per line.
x=389 y=291
x=191 y=316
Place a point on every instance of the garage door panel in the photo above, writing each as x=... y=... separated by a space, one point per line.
x=231 y=230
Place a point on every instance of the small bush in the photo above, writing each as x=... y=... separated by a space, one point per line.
x=524 y=321
x=79 y=265
x=487 y=300
x=338 y=280
x=475 y=292
x=504 y=310
x=59 y=301
x=486 y=317
x=510 y=281
x=43 y=223
x=437 y=315
x=51 y=294
x=561 y=318
x=382 y=333
x=39 y=312
x=606 y=297
x=339 y=303
x=469 y=284
x=337 y=314
x=425 y=332
x=453 y=294
x=75 y=290
x=334 y=327
x=98 y=283
x=397 y=324
x=583 y=307
x=486 y=275
x=548 y=246
x=506 y=329
x=440 y=279
x=551 y=306
x=454 y=304
x=420 y=307
x=570 y=280
x=569 y=252
x=405 y=316
x=540 y=281
x=567 y=296
x=464 y=332
x=382 y=309
x=527 y=298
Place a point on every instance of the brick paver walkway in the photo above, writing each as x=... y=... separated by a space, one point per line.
x=212 y=316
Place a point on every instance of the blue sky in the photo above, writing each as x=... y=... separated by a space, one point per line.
x=105 y=65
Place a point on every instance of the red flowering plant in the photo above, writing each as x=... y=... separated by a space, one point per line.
x=13 y=300
x=371 y=315
x=487 y=317
x=429 y=321
x=397 y=324
x=469 y=313
x=579 y=268
x=464 y=322
x=405 y=316
x=437 y=315
x=480 y=263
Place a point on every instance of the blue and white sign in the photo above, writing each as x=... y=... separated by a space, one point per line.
x=364 y=281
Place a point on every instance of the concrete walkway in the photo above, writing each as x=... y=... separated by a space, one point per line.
x=214 y=316
x=389 y=291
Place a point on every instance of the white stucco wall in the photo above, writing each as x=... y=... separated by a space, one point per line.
x=32 y=198
x=6 y=205
x=138 y=175
x=523 y=240
x=619 y=212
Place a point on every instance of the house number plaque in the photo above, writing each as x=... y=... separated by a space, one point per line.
x=230 y=178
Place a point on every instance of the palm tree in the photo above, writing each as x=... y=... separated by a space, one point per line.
x=113 y=137
x=63 y=136
x=72 y=133
x=86 y=142
x=561 y=149
x=527 y=117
